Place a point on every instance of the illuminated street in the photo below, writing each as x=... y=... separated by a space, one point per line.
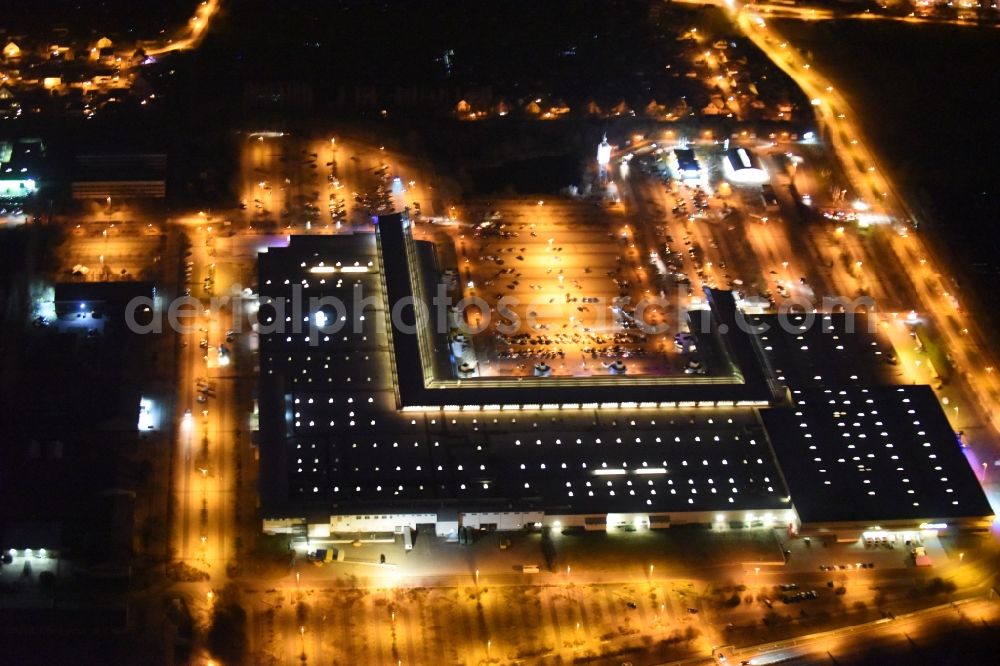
x=344 y=334
x=976 y=382
x=190 y=36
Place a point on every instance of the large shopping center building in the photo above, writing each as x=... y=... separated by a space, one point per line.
x=365 y=425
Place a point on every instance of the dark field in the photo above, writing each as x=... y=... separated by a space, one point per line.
x=127 y=19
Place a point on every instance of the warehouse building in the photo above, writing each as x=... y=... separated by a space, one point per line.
x=129 y=176
x=361 y=432
x=741 y=166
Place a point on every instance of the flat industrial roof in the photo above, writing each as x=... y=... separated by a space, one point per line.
x=569 y=465
x=337 y=435
x=120 y=166
x=877 y=453
x=835 y=349
x=115 y=294
x=686 y=159
x=333 y=436
x=21 y=158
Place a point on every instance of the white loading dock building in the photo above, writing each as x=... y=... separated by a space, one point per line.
x=446 y=524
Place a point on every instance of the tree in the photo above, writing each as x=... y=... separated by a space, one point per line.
x=227 y=640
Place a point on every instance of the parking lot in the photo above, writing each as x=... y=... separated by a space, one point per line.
x=323 y=184
x=570 y=275
x=794 y=249
x=645 y=596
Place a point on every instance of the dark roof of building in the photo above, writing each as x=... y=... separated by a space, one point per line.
x=120 y=167
x=686 y=159
x=69 y=430
x=810 y=350
x=21 y=158
x=115 y=294
x=333 y=436
x=571 y=465
x=872 y=453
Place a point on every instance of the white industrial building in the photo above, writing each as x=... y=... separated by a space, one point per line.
x=741 y=166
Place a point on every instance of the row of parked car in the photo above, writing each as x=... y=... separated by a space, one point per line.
x=846 y=567
x=799 y=596
x=875 y=542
